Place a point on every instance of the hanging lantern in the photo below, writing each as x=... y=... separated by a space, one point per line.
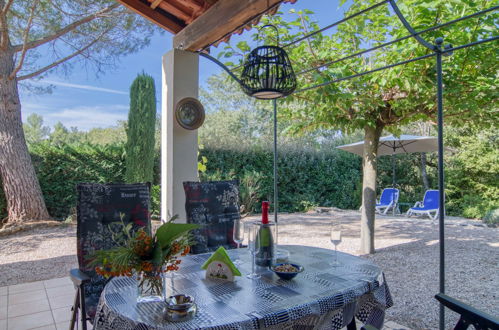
x=267 y=73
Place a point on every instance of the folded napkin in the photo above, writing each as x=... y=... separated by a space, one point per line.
x=221 y=255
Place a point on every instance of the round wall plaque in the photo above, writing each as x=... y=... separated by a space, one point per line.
x=189 y=113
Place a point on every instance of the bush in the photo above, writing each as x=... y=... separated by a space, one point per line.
x=492 y=218
x=327 y=177
x=60 y=169
x=472 y=172
x=156 y=201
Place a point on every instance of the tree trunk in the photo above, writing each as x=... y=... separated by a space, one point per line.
x=424 y=175
x=369 y=173
x=20 y=184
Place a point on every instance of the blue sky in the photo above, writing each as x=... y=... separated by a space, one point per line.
x=84 y=101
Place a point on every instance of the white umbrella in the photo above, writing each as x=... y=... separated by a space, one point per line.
x=391 y=145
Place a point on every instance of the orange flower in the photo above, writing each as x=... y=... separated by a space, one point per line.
x=187 y=249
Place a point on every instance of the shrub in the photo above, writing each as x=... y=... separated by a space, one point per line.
x=60 y=169
x=492 y=218
x=327 y=177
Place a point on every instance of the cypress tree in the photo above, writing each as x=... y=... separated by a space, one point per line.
x=140 y=132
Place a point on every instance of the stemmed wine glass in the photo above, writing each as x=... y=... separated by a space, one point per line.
x=238 y=237
x=254 y=248
x=335 y=239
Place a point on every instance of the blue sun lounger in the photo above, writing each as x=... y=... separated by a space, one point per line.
x=388 y=201
x=428 y=206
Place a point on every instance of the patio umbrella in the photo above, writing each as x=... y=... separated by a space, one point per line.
x=392 y=145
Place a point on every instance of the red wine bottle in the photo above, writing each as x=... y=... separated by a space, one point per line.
x=264 y=239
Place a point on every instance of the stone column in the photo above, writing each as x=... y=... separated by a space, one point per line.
x=179 y=146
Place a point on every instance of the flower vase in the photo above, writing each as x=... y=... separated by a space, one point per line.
x=150 y=286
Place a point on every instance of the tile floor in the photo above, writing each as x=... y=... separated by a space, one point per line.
x=46 y=305
x=37 y=305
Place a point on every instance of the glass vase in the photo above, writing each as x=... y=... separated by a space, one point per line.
x=150 y=286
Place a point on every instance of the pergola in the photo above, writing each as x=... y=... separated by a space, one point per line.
x=200 y=24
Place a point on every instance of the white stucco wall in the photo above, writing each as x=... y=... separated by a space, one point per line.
x=178 y=146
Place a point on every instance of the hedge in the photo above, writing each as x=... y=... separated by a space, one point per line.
x=307 y=177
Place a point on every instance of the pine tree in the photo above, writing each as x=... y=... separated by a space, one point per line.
x=141 y=129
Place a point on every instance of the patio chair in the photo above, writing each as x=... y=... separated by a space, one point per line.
x=469 y=315
x=99 y=209
x=214 y=205
x=428 y=206
x=388 y=201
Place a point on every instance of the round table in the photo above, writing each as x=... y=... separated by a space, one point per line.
x=323 y=296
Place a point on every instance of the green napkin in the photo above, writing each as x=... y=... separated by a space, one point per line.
x=221 y=255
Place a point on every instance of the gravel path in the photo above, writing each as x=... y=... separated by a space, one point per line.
x=406 y=249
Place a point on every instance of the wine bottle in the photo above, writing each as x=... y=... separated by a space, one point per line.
x=264 y=239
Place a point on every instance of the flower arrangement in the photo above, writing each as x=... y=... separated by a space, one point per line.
x=145 y=255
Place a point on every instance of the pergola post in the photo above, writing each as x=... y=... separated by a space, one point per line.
x=179 y=146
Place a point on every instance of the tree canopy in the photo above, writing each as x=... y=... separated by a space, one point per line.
x=38 y=37
x=390 y=98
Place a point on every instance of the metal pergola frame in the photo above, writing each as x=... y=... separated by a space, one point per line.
x=438 y=50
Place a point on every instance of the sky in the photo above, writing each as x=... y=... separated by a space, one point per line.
x=85 y=101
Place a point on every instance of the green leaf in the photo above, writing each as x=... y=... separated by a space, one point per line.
x=169 y=232
x=243 y=45
x=157 y=255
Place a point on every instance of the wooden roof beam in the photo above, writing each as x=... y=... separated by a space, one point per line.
x=178 y=10
x=219 y=20
x=155 y=3
x=170 y=24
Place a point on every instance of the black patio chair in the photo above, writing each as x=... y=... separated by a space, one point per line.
x=99 y=210
x=469 y=315
x=214 y=205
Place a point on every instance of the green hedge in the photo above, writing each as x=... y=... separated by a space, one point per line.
x=60 y=169
x=306 y=177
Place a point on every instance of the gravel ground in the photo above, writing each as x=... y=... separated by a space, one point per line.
x=406 y=249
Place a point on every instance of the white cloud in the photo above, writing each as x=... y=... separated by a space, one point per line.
x=85 y=87
x=82 y=117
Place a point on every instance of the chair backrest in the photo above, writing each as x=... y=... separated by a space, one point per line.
x=214 y=205
x=388 y=195
x=430 y=200
x=99 y=207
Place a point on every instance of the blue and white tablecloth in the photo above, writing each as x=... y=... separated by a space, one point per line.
x=322 y=297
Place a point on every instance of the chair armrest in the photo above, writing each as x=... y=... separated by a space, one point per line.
x=468 y=313
x=78 y=277
x=418 y=204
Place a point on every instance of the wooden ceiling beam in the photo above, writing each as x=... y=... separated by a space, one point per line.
x=155 y=3
x=170 y=24
x=178 y=10
x=193 y=4
x=219 y=20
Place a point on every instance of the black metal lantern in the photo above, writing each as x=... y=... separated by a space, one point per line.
x=267 y=73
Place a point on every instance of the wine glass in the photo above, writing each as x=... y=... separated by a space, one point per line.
x=254 y=248
x=238 y=237
x=335 y=239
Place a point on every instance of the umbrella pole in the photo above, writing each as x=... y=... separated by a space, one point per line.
x=441 y=214
x=394 y=180
x=274 y=101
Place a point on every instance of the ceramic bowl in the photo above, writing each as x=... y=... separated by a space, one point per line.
x=287 y=275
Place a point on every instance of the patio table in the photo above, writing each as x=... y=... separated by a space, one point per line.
x=321 y=297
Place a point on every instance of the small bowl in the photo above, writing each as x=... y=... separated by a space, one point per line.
x=287 y=275
x=180 y=308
